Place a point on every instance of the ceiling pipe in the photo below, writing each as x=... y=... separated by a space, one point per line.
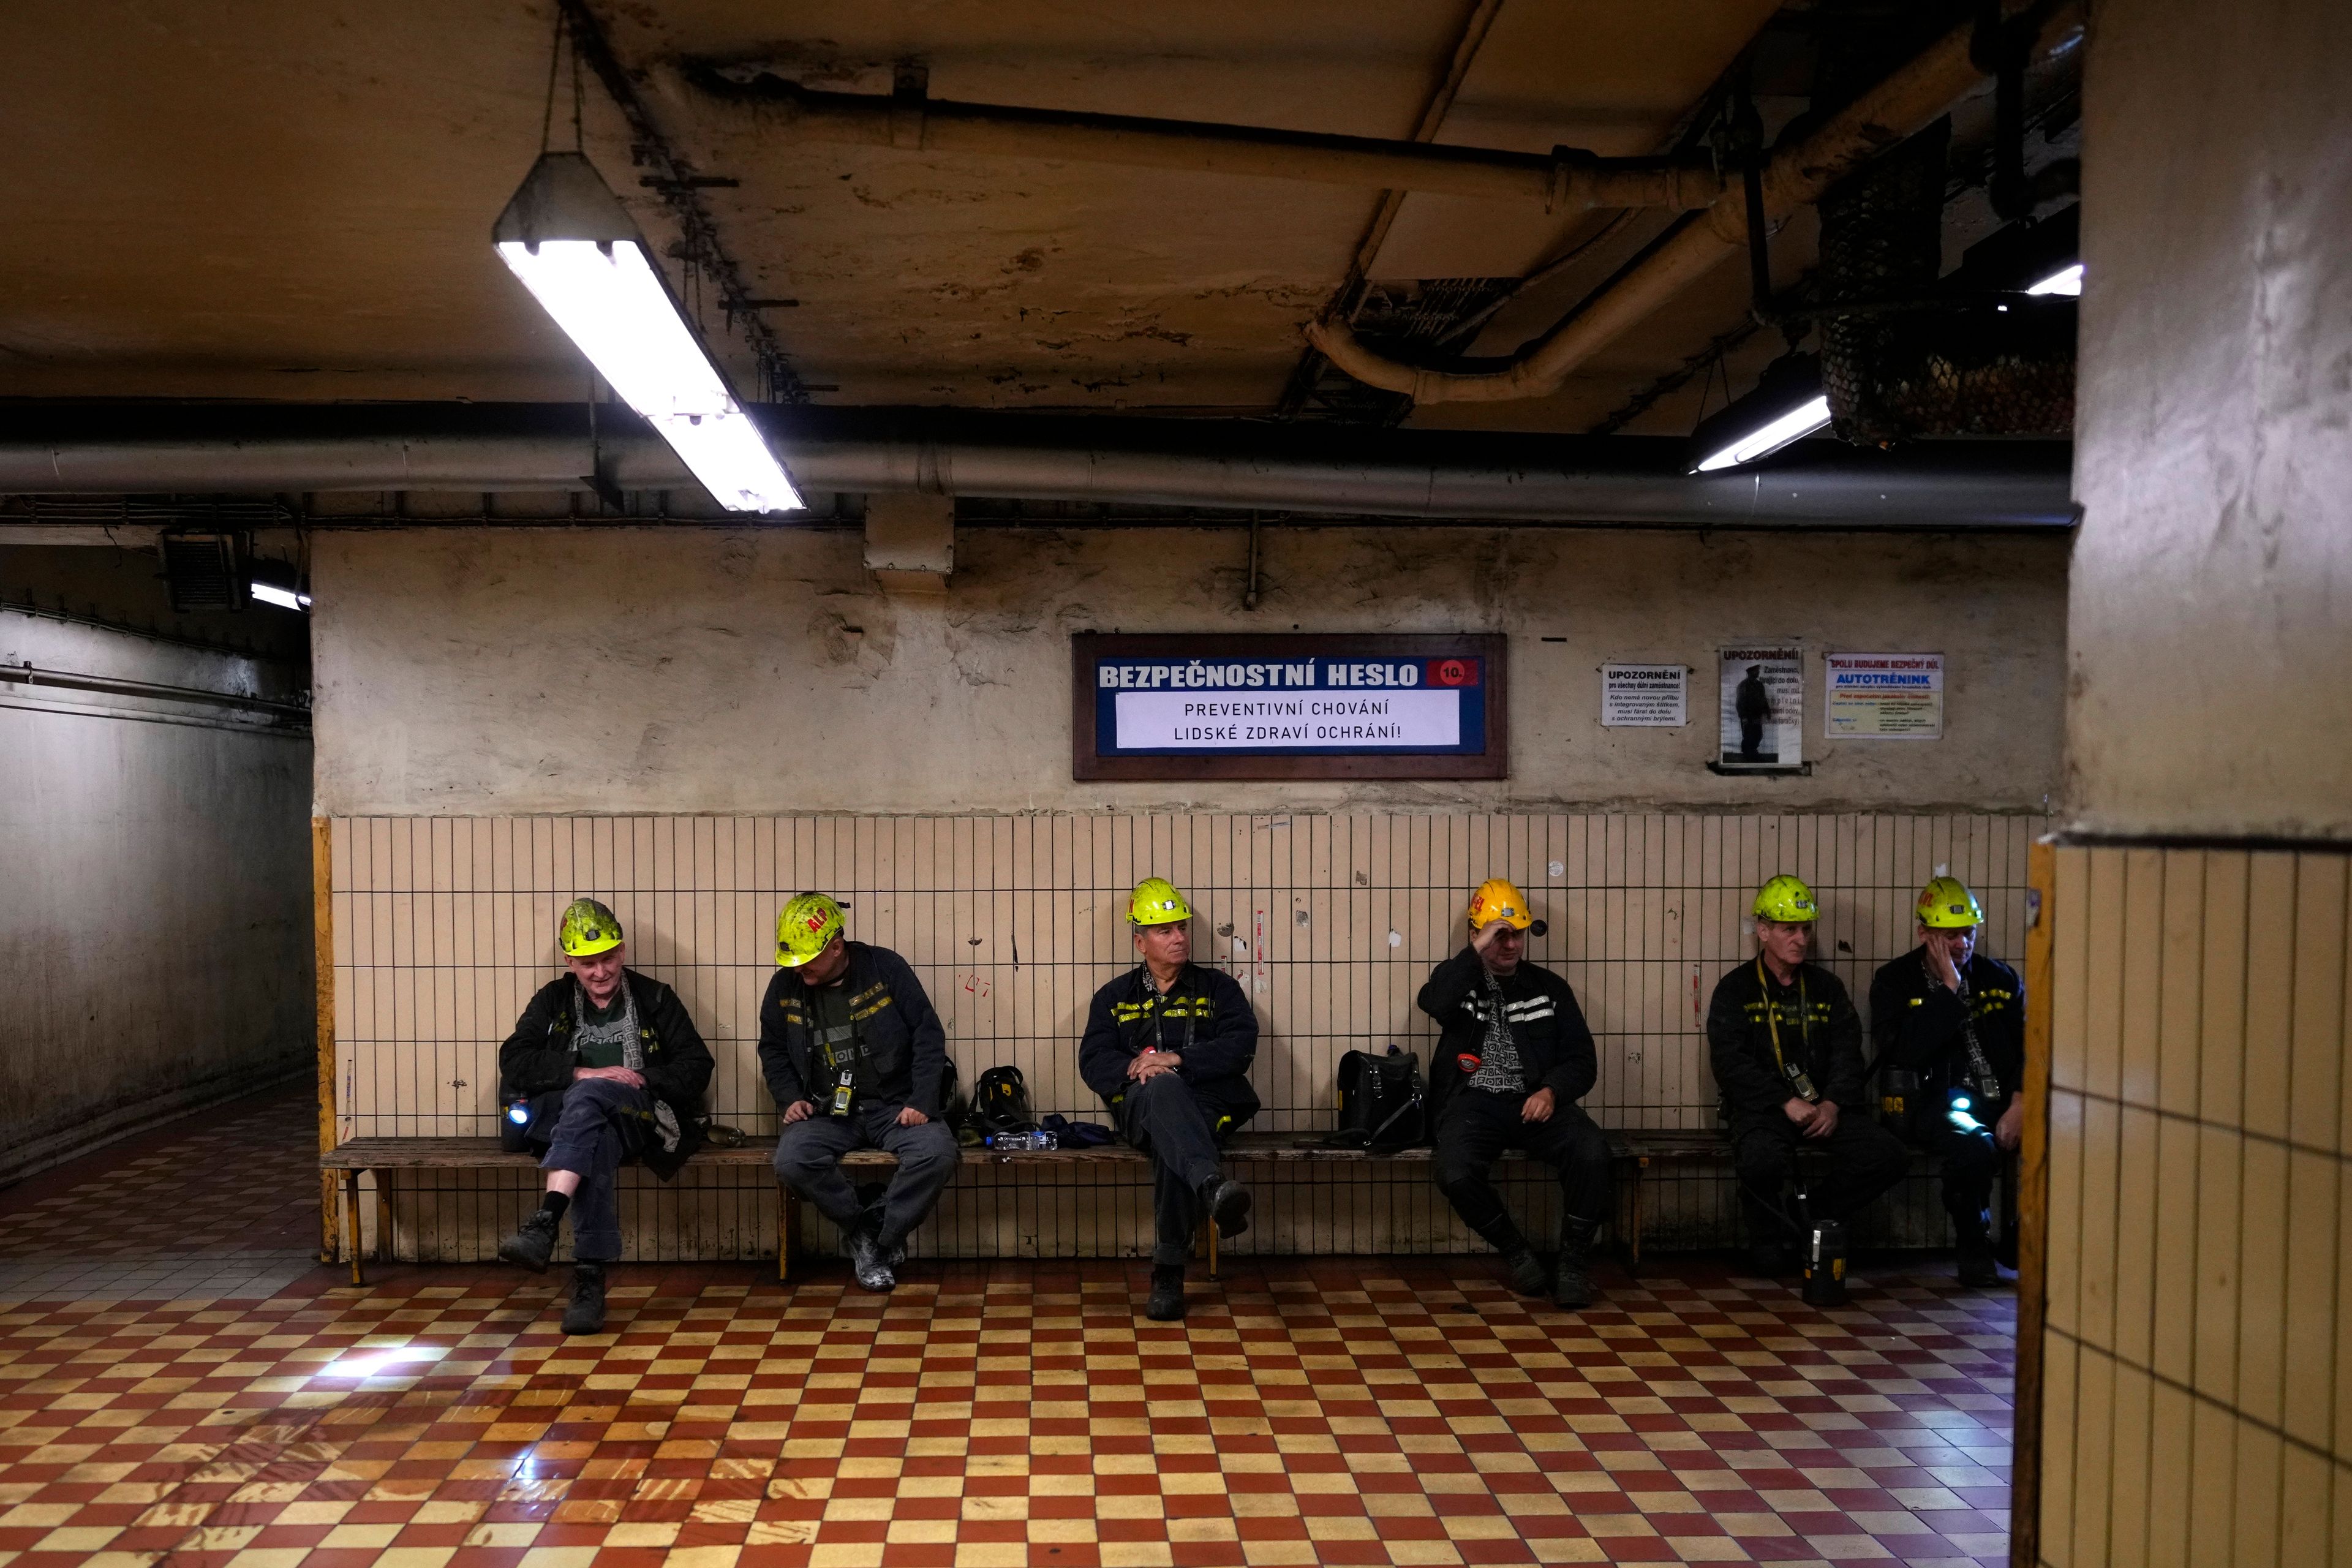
x=1914 y=97
x=1565 y=179
x=212 y=449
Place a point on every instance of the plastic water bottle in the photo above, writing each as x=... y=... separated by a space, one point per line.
x=1022 y=1142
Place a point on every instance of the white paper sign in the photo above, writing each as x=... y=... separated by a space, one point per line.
x=1307 y=720
x=1644 y=696
x=1763 y=706
x=1884 y=697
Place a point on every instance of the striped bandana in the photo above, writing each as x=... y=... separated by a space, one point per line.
x=1498 y=1064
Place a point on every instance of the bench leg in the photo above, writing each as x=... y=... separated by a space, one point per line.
x=351 y=1222
x=1213 y=1249
x=1633 y=1240
x=330 y=1193
x=788 y=1214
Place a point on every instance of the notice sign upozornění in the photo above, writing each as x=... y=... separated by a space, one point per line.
x=1644 y=696
x=1302 y=706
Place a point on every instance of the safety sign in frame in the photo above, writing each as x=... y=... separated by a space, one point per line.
x=1289 y=706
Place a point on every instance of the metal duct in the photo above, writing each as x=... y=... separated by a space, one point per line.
x=1566 y=179
x=209 y=449
x=1912 y=96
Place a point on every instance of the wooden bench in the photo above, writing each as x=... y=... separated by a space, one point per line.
x=354 y=1157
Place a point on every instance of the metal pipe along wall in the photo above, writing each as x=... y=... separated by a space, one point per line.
x=96 y=449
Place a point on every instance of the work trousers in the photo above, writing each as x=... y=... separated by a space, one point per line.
x=1476 y=1126
x=808 y=1161
x=1971 y=1160
x=1864 y=1160
x=602 y=1126
x=1165 y=1119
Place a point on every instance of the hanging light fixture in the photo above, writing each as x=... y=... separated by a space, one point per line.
x=1787 y=405
x=570 y=241
x=2066 y=281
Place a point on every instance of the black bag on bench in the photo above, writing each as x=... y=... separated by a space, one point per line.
x=1383 y=1102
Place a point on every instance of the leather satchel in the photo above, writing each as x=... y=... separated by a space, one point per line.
x=1383 y=1102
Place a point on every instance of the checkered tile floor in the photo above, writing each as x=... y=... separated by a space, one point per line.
x=1350 y=1411
x=225 y=1203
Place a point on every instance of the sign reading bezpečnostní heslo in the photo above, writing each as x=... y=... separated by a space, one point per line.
x=1290 y=706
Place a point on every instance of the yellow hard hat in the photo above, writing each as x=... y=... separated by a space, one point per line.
x=1946 y=904
x=1498 y=899
x=805 y=927
x=1787 y=899
x=1156 y=902
x=588 y=928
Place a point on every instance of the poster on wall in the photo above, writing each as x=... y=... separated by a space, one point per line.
x=1763 y=706
x=1644 y=696
x=1884 y=697
x=1302 y=706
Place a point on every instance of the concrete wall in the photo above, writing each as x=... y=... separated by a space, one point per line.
x=694 y=722
x=155 y=932
x=2213 y=600
x=2197 y=1357
x=502 y=671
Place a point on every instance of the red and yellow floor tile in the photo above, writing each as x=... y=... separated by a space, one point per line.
x=1366 y=1411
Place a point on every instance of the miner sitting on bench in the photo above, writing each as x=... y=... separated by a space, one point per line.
x=1786 y=1045
x=605 y=1066
x=854 y=1054
x=1513 y=1056
x=1169 y=1046
x=1957 y=1017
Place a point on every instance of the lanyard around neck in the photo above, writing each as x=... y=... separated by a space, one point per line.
x=849 y=1010
x=1158 y=999
x=1979 y=1066
x=1772 y=1014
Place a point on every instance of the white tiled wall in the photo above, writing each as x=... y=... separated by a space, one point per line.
x=2197 y=1376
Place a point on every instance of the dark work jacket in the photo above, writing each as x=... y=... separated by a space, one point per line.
x=903 y=1037
x=1829 y=1044
x=1915 y=1023
x=1126 y=1018
x=538 y=1058
x=1555 y=1047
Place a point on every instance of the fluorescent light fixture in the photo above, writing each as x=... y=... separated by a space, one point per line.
x=284 y=598
x=1787 y=405
x=567 y=237
x=2067 y=281
x=1794 y=426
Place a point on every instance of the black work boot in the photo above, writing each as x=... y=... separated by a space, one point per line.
x=1527 y=1270
x=1166 y=1304
x=530 y=1246
x=1571 y=1279
x=870 y=1261
x=586 y=1313
x=871 y=1222
x=1768 y=1255
x=1228 y=1203
x=1977 y=1268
